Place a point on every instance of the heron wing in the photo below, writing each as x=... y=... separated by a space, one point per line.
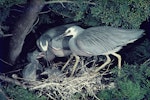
x=104 y=39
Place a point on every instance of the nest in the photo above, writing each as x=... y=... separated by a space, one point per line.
x=59 y=85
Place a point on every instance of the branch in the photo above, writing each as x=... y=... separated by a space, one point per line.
x=10 y=80
x=5 y=35
x=23 y=28
x=60 y=13
x=67 y=1
x=6 y=62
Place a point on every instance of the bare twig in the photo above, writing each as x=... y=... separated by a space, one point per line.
x=67 y=1
x=13 y=71
x=21 y=6
x=6 y=35
x=147 y=61
x=45 y=11
x=10 y=80
x=61 y=2
x=60 y=13
x=6 y=62
x=35 y=23
x=17 y=10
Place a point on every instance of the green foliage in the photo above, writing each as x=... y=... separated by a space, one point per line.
x=77 y=96
x=45 y=19
x=139 y=53
x=9 y=3
x=128 y=91
x=122 y=13
x=5 y=8
x=4 y=13
x=18 y=93
x=117 y=13
x=132 y=84
x=2 y=95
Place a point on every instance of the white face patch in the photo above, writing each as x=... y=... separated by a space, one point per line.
x=44 y=47
x=70 y=31
x=74 y=31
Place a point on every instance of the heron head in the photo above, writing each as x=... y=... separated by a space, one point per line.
x=73 y=31
x=44 y=45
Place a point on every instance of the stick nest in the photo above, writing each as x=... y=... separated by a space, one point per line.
x=60 y=86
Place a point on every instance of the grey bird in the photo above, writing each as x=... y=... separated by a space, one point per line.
x=30 y=71
x=100 y=40
x=52 y=47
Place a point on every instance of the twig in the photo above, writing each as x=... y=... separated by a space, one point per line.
x=61 y=2
x=35 y=23
x=60 y=13
x=50 y=96
x=13 y=71
x=147 y=61
x=10 y=80
x=7 y=35
x=5 y=62
x=45 y=11
x=17 y=10
x=67 y=1
x=20 y=6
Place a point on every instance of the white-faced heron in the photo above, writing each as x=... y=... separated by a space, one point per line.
x=45 y=43
x=100 y=40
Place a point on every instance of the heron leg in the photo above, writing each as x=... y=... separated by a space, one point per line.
x=71 y=56
x=77 y=58
x=119 y=59
x=103 y=65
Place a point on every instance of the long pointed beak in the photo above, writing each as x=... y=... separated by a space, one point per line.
x=61 y=36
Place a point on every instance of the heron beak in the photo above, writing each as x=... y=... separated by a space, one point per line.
x=61 y=36
x=40 y=55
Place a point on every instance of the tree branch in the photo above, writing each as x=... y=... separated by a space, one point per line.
x=67 y=1
x=10 y=80
x=23 y=28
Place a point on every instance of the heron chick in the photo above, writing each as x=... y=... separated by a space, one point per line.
x=100 y=40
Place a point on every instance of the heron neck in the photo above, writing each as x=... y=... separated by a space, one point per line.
x=77 y=33
x=75 y=49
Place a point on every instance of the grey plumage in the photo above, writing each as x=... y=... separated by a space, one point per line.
x=101 y=40
x=45 y=42
x=30 y=71
x=60 y=47
x=104 y=39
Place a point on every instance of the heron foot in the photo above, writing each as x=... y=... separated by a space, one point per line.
x=103 y=65
x=67 y=63
x=75 y=65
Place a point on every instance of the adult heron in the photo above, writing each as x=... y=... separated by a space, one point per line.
x=100 y=40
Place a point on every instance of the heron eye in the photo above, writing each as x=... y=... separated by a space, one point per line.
x=68 y=31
